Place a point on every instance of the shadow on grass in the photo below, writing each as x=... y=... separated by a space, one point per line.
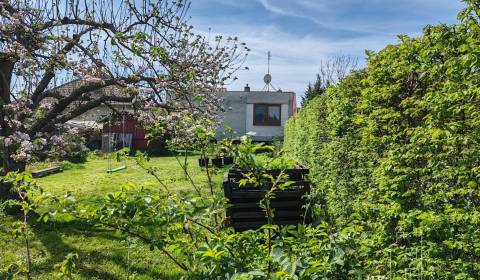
x=50 y=235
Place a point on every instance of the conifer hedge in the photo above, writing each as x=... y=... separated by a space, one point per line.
x=395 y=148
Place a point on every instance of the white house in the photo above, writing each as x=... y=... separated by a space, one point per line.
x=260 y=114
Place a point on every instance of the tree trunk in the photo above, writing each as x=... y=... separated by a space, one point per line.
x=8 y=164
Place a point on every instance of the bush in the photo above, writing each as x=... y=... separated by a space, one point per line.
x=396 y=146
x=75 y=149
x=302 y=252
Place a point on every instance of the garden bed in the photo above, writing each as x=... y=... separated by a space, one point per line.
x=289 y=204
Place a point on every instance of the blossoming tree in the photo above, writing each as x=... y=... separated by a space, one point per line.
x=147 y=48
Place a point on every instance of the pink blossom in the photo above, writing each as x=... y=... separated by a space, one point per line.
x=8 y=142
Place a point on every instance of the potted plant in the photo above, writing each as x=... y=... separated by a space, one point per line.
x=255 y=178
x=203 y=161
x=223 y=153
x=208 y=150
x=225 y=148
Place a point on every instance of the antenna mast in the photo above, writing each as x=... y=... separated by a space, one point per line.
x=268 y=57
x=268 y=78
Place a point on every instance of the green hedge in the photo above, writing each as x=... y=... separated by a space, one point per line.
x=395 y=148
x=324 y=136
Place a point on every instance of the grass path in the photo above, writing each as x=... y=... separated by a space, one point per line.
x=103 y=254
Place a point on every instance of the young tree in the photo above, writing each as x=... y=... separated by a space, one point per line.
x=332 y=70
x=147 y=48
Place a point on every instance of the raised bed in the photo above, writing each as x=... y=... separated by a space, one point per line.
x=289 y=205
x=46 y=171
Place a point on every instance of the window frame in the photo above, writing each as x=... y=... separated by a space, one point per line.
x=266 y=120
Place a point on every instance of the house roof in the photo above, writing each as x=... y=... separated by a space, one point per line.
x=283 y=97
x=258 y=92
x=66 y=89
x=85 y=124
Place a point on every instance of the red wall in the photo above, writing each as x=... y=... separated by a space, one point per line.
x=132 y=127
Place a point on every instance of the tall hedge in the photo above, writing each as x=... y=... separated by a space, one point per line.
x=396 y=148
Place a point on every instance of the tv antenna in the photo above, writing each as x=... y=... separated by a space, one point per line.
x=268 y=78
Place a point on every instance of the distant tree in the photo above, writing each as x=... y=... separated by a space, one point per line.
x=332 y=70
x=314 y=90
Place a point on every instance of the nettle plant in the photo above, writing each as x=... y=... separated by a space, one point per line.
x=252 y=156
x=302 y=252
x=256 y=160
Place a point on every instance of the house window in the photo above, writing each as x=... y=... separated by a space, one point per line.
x=267 y=114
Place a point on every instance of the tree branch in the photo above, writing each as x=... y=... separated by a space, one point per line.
x=65 y=102
x=50 y=71
x=91 y=105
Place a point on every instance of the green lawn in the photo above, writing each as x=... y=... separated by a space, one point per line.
x=103 y=254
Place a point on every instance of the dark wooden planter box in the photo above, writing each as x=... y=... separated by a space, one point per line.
x=203 y=162
x=245 y=212
x=217 y=162
x=227 y=160
x=263 y=151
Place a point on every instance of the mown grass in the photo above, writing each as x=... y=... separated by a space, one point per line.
x=103 y=254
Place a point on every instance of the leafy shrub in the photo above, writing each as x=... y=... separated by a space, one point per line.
x=75 y=149
x=396 y=145
x=66 y=165
x=274 y=162
x=69 y=147
x=302 y=252
x=247 y=158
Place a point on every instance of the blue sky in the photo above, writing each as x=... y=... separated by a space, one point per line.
x=300 y=33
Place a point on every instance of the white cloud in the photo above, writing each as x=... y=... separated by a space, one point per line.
x=374 y=16
x=275 y=9
x=295 y=60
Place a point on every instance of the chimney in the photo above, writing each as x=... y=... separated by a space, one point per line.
x=246 y=89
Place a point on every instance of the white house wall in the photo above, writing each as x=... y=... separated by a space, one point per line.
x=234 y=115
